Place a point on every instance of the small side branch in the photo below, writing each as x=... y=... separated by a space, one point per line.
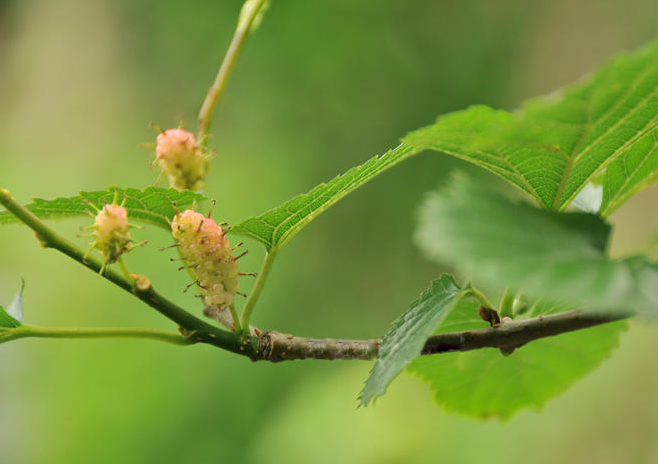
x=511 y=335
x=276 y=346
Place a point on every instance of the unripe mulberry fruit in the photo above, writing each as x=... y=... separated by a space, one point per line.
x=181 y=159
x=111 y=232
x=203 y=244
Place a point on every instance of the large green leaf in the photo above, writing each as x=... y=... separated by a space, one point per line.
x=275 y=227
x=544 y=253
x=552 y=146
x=484 y=383
x=153 y=205
x=406 y=337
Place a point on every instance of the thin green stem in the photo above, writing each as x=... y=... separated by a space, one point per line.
x=258 y=287
x=26 y=331
x=249 y=12
x=478 y=295
x=141 y=287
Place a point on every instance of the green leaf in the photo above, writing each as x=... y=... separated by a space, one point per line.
x=552 y=146
x=13 y=315
x=275 y=227
x=561 y=256
x=406 y=337
x=484 y=383
x=153 y=205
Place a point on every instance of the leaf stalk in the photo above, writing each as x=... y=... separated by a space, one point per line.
x=256 y=290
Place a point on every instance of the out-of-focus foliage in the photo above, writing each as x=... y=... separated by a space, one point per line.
x=544 y=253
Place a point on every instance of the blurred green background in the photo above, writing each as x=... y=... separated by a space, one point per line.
x=321 y=87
